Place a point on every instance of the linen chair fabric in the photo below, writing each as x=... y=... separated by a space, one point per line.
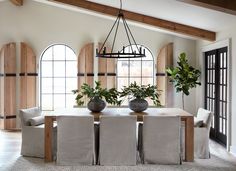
x=201 y=135
x=75 y=141
x=117 y=144
x=33 y=136
x=160 y=140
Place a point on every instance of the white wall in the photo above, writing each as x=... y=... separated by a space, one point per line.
x=221 y=37
x=40 y=25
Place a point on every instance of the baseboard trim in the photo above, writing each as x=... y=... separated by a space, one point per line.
x=233 y=150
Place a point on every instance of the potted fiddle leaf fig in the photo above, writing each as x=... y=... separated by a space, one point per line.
x=98 y=96
x=184 y=76
x=138 y=94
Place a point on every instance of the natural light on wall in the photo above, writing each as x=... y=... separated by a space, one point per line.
x=140 y=70
x=58 y=76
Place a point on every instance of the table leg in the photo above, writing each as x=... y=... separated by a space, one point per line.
x=189 y=139
x=48 y=139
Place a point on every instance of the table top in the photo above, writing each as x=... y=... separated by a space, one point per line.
x=154 y=111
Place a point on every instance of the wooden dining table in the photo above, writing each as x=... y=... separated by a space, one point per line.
x=186 y=117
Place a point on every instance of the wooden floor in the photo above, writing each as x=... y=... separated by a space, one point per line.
x=10 y=144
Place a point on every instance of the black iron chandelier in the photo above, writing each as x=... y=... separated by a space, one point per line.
x=134 y=52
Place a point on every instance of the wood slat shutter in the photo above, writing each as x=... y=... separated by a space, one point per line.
x=107 y=71
x=8 y=86
x=85 y=65
x=164 y=60
x=28 y=76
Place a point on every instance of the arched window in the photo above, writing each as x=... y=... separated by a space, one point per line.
x=140 y=70
x=58 y=76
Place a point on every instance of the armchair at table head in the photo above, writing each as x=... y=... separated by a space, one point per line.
x=201 y=134
x=32 y=128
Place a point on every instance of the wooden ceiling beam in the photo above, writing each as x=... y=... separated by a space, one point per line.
x=17 y=2
x=163 y=24
x=226 y=6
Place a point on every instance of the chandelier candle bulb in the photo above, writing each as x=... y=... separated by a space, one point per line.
x=104 y=50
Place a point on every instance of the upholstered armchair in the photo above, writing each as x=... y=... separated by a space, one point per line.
x=201 y=133
x=32 y=124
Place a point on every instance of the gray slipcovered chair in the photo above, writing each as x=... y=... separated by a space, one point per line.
x=159 y=140
x=201 y=134
x=32 y=128
x=76 y=140
x=117 y=144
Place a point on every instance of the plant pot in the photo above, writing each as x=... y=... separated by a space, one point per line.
x=138 y=105
x=96 y=104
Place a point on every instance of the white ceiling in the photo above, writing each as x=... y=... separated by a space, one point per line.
x=172 y=10
x=177 y=11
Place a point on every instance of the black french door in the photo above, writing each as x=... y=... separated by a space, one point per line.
x=216 y=92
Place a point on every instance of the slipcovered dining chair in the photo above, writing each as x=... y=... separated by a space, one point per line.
x=159 y=140
x=32 y=128
x=117 y=144
x=76 y=140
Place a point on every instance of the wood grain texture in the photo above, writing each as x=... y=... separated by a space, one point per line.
x=48 y=138
x=86 y=66
x=157 y=22
x=111 y=69
x=189 y=139
x=164 y=60
x=27 y=82
x=107 y=66
x=226 y=6
x=2 y=88
x=8 y=86
x=102 y=69
x=17 y=2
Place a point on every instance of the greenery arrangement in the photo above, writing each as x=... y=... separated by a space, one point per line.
x=109 y=95
x=141 y=92
x=184 y=77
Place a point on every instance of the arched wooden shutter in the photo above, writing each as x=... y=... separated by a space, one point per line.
x=102 y=69
x=107 y=71
x=8 y=86
x=164 y=60
x=28 y=77
x=85 y=65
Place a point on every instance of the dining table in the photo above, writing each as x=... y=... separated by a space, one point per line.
x=186 y=118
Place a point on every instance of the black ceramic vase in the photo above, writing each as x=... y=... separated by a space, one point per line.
x=96 y=104
x=138 y=105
